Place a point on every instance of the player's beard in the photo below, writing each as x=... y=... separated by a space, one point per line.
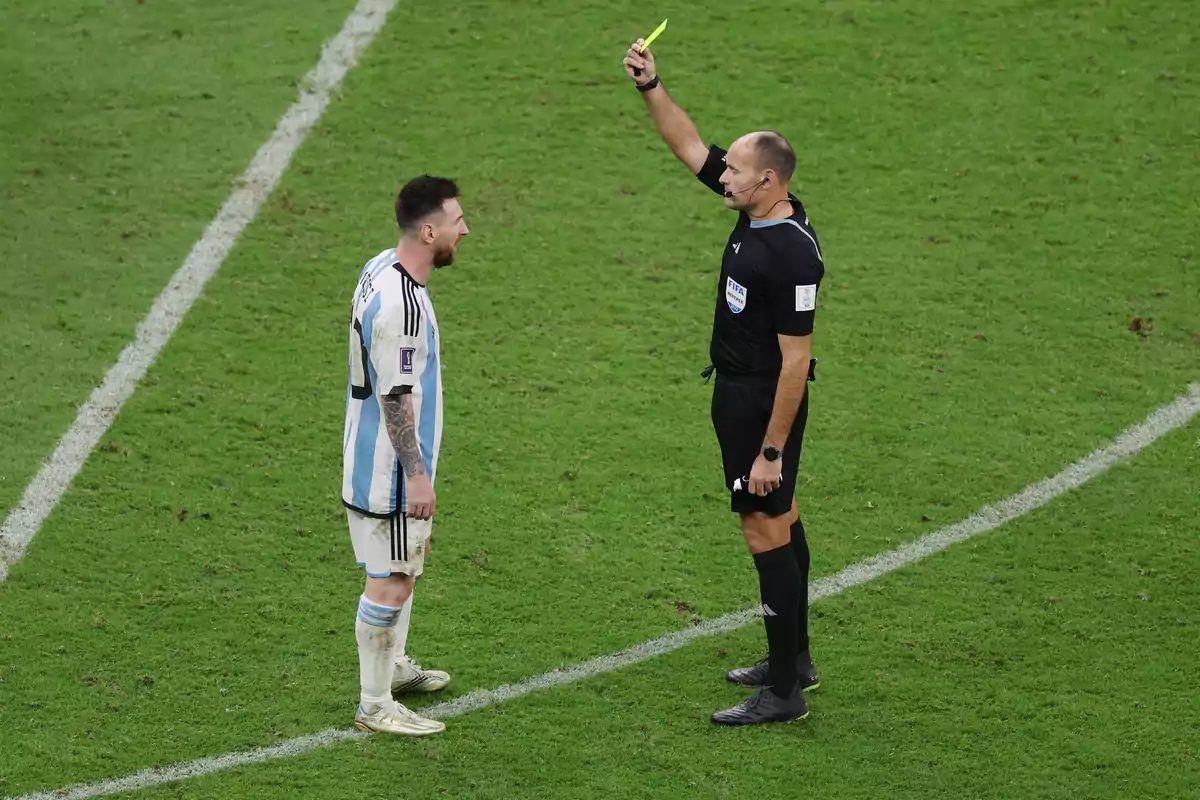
x=443 y=258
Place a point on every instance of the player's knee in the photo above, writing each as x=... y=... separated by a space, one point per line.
x=763 y=532
x=393 y=590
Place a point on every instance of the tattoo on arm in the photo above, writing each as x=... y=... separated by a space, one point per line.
x=402 y=430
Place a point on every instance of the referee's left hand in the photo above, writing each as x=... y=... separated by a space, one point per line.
x=765 y=476
x=635 y=60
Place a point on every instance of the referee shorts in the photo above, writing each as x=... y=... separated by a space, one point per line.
x=389 y=545
x=741 y=411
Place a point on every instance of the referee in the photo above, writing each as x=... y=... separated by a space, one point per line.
x=761 y=351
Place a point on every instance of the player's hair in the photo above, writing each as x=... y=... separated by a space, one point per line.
x=774 y=152
x=421 y=197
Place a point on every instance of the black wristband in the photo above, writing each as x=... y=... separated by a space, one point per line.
x=648 y=85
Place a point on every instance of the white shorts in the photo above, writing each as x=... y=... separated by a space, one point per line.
x=392 y=545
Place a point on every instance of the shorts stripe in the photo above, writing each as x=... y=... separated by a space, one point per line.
x=394 y=535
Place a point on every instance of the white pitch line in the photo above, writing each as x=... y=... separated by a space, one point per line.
x=1166 y=419
x=253 y=187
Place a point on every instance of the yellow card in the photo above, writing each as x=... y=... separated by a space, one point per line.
x=650 y=39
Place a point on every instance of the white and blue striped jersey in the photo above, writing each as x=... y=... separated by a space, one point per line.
x=394 y=349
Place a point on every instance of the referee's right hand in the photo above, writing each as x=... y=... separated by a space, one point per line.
x=643 y=61
x=420 y=501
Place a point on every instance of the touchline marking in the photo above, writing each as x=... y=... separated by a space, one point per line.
x=1131 y=441
x=252 y=188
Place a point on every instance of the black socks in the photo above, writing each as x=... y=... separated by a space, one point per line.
x=780 y=581
x=800 y=548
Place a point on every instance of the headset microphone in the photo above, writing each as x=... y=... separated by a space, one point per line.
x=743 y=191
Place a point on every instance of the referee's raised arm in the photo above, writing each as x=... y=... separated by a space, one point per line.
x=672 y=122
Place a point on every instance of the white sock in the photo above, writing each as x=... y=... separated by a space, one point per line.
x=376 y=640
x=401 y=629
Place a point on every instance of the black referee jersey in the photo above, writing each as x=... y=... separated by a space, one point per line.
x=770 y=273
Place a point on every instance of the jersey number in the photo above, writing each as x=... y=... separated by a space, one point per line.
x=360 y=378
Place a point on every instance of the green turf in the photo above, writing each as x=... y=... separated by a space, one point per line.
x=996 y=202
x=1048 y=659
x=122 y=127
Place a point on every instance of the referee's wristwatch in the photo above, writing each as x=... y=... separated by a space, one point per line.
x=648 y=85
x=770 y=453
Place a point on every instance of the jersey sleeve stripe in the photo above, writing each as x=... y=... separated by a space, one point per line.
x=769 y=223
x=407 y=307
x=816 y=247
x=412 y=309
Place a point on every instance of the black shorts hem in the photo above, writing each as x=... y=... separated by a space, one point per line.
x=743 y=503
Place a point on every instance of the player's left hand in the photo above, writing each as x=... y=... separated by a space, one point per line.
x=765 y=476
x=421 y=502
